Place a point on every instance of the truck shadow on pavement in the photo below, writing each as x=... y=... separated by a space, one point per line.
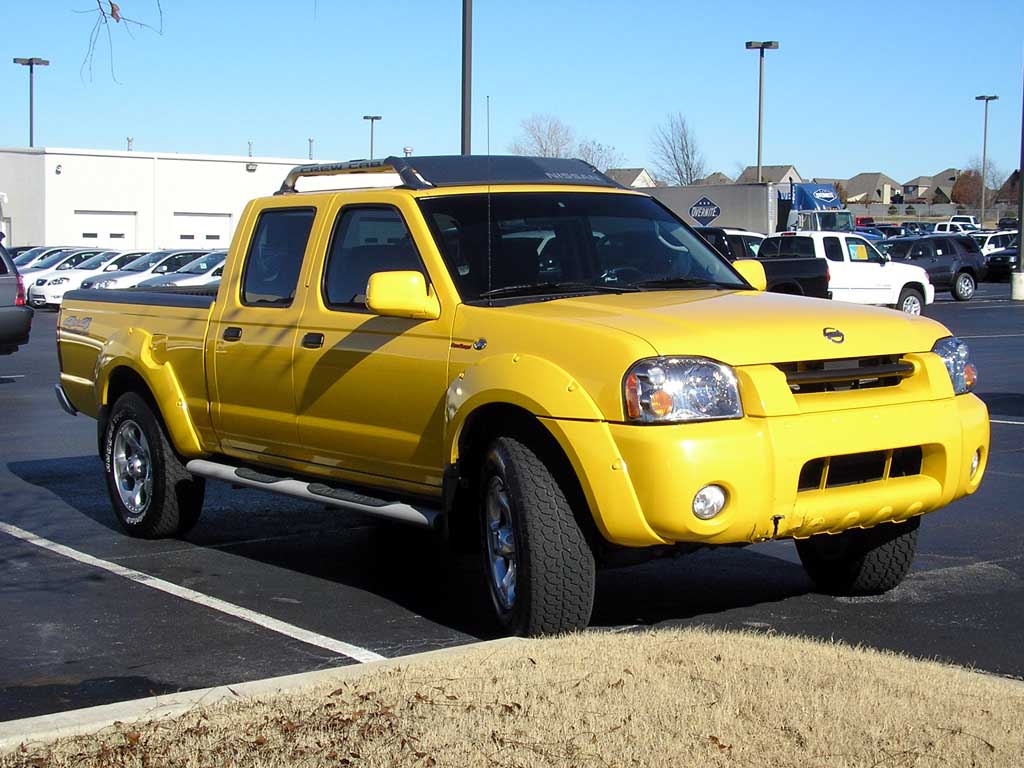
x=408 y=566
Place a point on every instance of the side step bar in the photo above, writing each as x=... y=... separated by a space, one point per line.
x=317 y=492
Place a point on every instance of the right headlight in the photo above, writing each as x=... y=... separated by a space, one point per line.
x=105 y=284
x=957 y=357
x=677 y=389
x=59 y=281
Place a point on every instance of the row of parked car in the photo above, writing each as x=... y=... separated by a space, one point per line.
x=50 y=272
x=903 y=272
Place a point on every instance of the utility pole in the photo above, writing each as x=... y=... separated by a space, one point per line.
x=760 y=47
x=372 y=119
x=984 y=155
x=32 y=63
x=310 y=148
x=467 y=76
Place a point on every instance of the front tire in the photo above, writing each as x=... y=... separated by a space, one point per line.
x=860 y=561
x=538 y=565
x=964 y=287
x=911 y=301
x=152 y=493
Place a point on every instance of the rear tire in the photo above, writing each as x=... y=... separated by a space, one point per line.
x=539 y=567
x=964 y=287
x=911 y=301
x=859 y=561
x=152 y=493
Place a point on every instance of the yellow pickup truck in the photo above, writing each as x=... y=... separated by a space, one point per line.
x=543 y=365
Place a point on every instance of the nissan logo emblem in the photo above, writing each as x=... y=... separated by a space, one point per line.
x=834 y=335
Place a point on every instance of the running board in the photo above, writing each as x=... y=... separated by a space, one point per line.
x=318 y=492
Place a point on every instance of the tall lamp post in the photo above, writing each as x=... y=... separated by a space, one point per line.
x=761 y=47
x=32 y=64
x=1017 y=278
x=372 y=119
x=984 y=154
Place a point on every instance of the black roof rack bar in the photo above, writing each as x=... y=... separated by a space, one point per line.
x=429 y=172
x=410 y=178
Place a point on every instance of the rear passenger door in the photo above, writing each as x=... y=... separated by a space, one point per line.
x=370 y=390
x=943 y=264
x=253 y=335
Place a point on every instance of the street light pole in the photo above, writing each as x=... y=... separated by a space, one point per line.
x=1017 y=278
x=760 y=47
x=984 y=154
x=467 y=75
x=32 y=63
x=372 y=119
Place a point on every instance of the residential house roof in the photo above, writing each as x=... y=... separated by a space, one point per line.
x=867 y=187
x=773 y=173
x=714 y=178
x=630 y=177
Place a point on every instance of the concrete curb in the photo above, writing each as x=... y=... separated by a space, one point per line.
x=44 y=728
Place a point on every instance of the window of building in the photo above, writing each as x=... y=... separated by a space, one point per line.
x=275 y=255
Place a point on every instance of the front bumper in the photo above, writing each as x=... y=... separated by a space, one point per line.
x=929 y=293
x=641 y=480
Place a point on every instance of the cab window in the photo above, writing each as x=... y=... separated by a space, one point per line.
x=833 y=249
x=366 y=240
x=275 y=257
x=860 y=251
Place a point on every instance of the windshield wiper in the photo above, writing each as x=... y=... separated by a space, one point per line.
x=534 y=289
x=684 y=282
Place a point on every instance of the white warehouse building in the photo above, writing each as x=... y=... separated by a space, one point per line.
x=128 y=200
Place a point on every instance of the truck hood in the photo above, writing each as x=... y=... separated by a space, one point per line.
x=743 y=327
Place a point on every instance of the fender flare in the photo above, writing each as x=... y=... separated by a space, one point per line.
x=145 y=355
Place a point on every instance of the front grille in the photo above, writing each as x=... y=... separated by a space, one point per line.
x=845 y=373
x=856 y=468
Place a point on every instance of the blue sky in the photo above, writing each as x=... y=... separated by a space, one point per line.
x=855 y=86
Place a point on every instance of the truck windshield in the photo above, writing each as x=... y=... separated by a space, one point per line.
x=203 y=264
x=827 y=221
x=568 y=242
x=143 y=263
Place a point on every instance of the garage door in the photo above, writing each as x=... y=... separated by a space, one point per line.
x=201 y=230
x=105 y=229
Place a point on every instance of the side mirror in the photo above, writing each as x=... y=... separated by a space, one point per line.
x=752 y=271
x=401 y=294
x=160 y=270
x=111 y=268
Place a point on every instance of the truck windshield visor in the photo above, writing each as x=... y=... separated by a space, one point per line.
x=509 y=240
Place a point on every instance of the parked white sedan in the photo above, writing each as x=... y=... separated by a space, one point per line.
x=196 y=273
x=150 y=265
x=51 y=293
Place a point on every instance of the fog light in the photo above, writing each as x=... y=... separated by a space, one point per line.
x=708 y=502
x=975 y=462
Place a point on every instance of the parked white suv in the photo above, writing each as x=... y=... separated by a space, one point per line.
x=858 y=272
x=993 y=241
x=955 y=227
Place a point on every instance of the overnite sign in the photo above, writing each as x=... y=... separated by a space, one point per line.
x=704 y=211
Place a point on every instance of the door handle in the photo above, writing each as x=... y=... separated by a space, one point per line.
x=233 y=333
x=313 y=340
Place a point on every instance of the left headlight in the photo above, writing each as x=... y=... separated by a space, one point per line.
x=58 y=281
x=105 y=284
x=957 y=357
x=675 y=389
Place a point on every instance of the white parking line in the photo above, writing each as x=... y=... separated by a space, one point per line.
x=993 y=336
x=12 y=376
x=1015 y=423
x=267 y=622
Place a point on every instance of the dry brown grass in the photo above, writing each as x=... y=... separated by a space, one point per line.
x=681 y=698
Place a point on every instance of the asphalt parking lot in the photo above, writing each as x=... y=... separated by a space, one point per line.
x=265 y=586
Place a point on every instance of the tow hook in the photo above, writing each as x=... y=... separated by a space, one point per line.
x=776 y=519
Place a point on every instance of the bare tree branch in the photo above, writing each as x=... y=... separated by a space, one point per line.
x=601 y=156
x=677 y=158
x=544 y=136
x=107 y=12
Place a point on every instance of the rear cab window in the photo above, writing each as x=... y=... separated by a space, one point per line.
x=787 y=247
x=274 y=260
